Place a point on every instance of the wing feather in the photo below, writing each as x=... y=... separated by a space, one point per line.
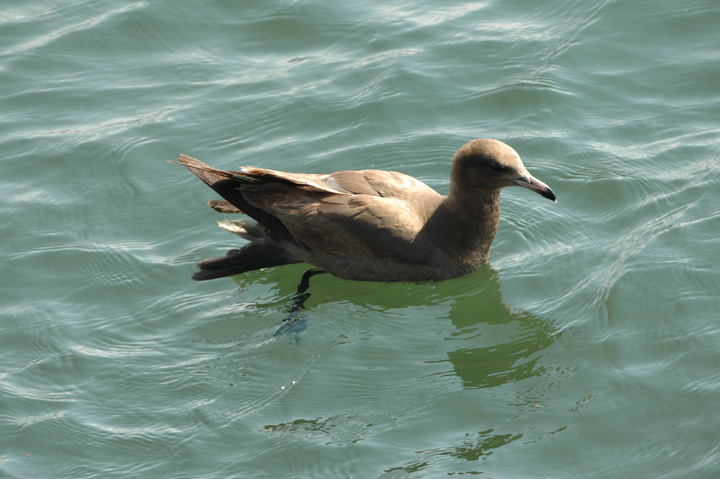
x=366 y=212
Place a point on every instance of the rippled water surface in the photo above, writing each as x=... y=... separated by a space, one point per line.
x=589 y=347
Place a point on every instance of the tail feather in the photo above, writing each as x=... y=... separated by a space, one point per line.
x=229 y=185
x=263 y=251
x=222 y=206
x=250 y=257
x=244 y=229
x=205 y=172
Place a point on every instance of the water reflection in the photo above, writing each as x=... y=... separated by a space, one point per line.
x=490 y=345
x=495 y=344
x=450 y=359
x=476 y=446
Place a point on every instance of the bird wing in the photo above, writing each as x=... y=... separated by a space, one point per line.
x=345 y=213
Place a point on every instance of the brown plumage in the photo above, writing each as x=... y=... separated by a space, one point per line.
x=369 y=225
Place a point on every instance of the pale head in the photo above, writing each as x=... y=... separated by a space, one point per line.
x=486 y=166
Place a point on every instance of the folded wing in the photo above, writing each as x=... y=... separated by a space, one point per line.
x=348 y=213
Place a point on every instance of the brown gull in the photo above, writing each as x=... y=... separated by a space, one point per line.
x=368 y=225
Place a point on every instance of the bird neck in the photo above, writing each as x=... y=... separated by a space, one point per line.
x=471 y=222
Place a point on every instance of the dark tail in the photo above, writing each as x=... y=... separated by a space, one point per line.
x=229 y=185
x=250 y=257
x=262 y=253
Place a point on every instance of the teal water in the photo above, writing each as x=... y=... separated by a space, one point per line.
x=589 y=347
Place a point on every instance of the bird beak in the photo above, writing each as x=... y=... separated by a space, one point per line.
x=526 y=180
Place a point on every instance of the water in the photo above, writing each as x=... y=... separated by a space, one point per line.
x=587 y=348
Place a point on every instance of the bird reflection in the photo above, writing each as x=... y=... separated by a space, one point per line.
x=491 y=344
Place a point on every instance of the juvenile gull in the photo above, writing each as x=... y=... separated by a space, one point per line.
x=368 y=225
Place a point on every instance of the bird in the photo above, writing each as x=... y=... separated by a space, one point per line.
x=366 y=225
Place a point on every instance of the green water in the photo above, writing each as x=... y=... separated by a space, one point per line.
x=588 y=348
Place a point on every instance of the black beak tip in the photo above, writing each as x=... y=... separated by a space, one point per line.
x=549 y=195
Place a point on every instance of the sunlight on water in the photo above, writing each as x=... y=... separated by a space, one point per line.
x=592 y=333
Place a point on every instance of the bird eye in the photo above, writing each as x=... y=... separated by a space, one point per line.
x=495 y=166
